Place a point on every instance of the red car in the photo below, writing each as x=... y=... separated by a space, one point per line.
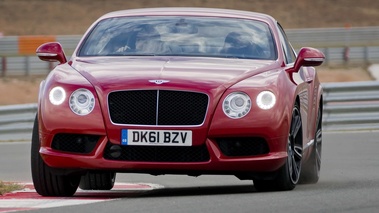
x=178 y=91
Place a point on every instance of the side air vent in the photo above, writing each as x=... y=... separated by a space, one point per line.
x=75 y=143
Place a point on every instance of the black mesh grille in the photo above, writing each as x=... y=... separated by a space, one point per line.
x=243 y=146
x=173 y=107
x=159 y=153
x=133 y=107
x=76 y=143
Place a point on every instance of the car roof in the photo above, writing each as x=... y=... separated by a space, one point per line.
x=191 y=11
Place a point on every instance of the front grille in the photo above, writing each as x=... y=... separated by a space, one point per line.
x=157 y=107
x=248 y=146
x=76 y=143
x=159 y=153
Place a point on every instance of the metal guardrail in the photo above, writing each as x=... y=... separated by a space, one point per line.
x=363 y=44
x=10 y=45
x=335 y=37
x=347 y=106
x=16 y=122
x=351 y=106
x=31 y=65
x=13 y=115
x=316 y=37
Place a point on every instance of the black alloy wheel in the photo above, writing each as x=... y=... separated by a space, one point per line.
x=289 y=174
x=311 y=169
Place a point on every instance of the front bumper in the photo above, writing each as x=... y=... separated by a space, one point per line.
x=218 y=163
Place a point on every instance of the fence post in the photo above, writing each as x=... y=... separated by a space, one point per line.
x=326 y=53
x=27 y=65
x=366 y=55
x=3 y=66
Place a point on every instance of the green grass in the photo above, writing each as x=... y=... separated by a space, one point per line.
x=9 y=187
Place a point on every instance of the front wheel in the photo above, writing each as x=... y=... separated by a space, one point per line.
x=288 y=175
x=97 y=181
x=311 y=169
x=46 y=182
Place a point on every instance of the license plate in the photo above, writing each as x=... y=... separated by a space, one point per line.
x=135 y=137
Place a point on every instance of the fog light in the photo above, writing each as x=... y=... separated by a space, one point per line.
x=115 y=151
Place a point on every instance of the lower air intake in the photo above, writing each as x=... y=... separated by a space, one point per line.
x=75 y=143
x=243 y=146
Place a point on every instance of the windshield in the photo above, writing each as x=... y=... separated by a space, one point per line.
x=180 y=36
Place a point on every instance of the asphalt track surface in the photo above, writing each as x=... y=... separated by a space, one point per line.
x=349 y=183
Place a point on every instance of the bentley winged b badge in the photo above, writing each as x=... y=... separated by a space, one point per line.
x=159 y=81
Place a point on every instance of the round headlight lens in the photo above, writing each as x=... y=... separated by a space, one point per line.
x=266 y=100
x=82 y=102
x=236 y=105
x=57 y=95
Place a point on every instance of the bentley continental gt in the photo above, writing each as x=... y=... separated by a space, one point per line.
x=187 y=91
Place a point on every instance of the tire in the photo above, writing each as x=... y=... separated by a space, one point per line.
x=311 y=169
x=289 y=174
x=97 y=181
x=45 y=181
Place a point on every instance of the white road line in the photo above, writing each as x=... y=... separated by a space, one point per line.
x=29 y=199
x=45 y=203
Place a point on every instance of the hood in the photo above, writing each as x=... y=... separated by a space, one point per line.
x=184 y=73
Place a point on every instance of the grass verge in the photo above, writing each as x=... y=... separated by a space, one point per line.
x=6 y=187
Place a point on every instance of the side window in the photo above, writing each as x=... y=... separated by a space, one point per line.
x=287 y=48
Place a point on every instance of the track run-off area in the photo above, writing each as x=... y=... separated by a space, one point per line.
x=28 y=199
x=349 y=182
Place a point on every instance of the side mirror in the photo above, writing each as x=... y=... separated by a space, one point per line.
x=51 y=52
x=308 y=57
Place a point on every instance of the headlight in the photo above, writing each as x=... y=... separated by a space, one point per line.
x=82 y=102
x=236 y=105
x=57 y=95
x=266 y=100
